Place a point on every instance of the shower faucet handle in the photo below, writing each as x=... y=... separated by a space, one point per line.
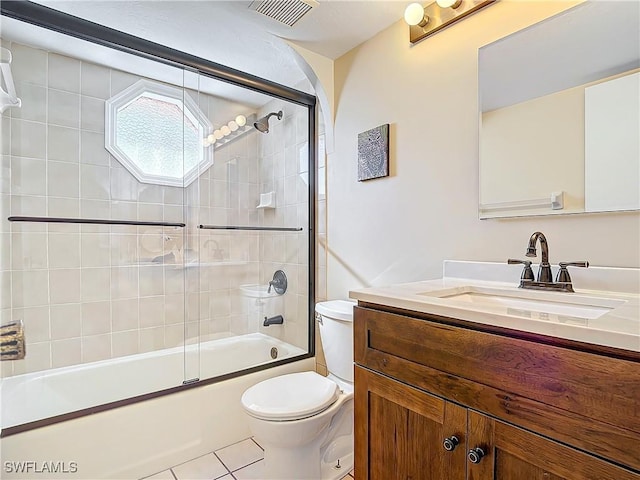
x=279 y=282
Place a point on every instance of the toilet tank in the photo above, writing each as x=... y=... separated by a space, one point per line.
x=335 y=321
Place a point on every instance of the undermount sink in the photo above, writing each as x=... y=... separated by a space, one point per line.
x=530 y=303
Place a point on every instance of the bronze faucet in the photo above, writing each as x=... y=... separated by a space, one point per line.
x=544 y=272
x=545 y=277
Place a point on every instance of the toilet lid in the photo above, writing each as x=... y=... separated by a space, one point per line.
x=290 y=397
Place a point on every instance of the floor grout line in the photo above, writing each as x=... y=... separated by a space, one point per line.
x=254 y=441
x=248 y=465
x=220 y=460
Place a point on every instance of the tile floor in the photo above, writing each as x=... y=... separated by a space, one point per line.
x=240 y=461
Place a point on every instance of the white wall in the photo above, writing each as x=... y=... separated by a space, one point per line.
x=401 y=228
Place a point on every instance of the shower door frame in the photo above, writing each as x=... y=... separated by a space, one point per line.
x=50 y=19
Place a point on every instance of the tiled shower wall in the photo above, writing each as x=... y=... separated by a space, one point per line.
x=90 y=292
x=284 y=170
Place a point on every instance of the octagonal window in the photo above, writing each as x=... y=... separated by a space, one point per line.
x=157 y=132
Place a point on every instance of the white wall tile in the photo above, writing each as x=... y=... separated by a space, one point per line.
x=125 y=343
x=123 y=185
x=92 y=149
x=151 y=311
x=29 y=64
x=65 y=321
x=5 y=174
x=28 y=139
x=63 y=108
x=5 y=251
x=64 y=73
x=124 y=314
x=63 y=144
x=63 y=179
x=66 y=352
x=64 y=250
x=5 y=134
x=151 y=280
x=39 y=358
x=34 y=102
x=5 y=290
x=95 y=80
x=96 y=250
x=64 y=285
x=94 y=182
x=92 y=114
x=123 y=249
x=95 y=209
x=124 y=210
x=96 y=347
x=64 y=207
x=36 y=323
x=28 y=176
x=124 y=282
x=151 y=339
x=28 y=251
x=96 y=318
x=121 y=80
x=96 y=284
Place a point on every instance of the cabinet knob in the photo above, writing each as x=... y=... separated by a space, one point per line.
x=475 y=455
x=450 y=443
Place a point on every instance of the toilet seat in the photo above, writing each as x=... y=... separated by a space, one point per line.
x=290 y=397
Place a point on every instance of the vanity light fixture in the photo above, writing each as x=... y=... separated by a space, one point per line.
x=425 y=21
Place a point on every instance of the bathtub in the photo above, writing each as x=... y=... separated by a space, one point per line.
x=40 y=395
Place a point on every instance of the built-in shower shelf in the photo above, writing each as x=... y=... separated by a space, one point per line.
x=267 y=200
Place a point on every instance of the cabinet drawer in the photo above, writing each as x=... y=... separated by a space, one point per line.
x=587 y=400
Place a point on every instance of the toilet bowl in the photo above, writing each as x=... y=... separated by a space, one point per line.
x=304 y=421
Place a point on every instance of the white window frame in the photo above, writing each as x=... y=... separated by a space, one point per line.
x=182 y=100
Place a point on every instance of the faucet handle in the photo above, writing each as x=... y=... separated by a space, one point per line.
x=527 y=273
x=563 y=273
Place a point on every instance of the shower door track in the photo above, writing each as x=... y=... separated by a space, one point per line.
x=261 y=229
x=95 y=221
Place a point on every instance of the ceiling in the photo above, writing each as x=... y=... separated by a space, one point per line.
x=229 y=33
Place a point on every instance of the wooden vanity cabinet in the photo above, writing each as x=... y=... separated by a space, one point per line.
x=535 y=411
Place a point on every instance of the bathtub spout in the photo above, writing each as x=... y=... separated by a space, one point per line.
x=277 y=320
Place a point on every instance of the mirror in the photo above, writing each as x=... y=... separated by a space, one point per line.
x=560 y=115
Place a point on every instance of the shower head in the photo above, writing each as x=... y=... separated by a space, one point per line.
x=262 y=124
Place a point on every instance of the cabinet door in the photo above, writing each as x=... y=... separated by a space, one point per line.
x=511 y=453
x=400 y=432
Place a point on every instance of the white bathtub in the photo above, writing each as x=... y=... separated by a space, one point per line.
x=35 y=396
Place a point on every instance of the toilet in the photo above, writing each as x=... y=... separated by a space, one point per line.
x=304 y=421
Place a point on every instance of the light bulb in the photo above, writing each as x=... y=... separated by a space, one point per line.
x=233 y=126
x=448 y=3
x=414 y=15
x=217 y=134
x=225 y=130
x=241 y=120
x=211 y=138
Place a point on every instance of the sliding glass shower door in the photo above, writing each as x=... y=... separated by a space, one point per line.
x=155 y=229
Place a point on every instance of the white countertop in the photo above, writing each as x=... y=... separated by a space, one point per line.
x=619 y=327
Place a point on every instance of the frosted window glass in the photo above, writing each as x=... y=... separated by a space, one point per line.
x=157 y=133
x=152 y=133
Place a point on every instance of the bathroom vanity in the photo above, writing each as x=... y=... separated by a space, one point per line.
x=452 y=383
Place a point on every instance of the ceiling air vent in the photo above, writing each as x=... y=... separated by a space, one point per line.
x=284 y=11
